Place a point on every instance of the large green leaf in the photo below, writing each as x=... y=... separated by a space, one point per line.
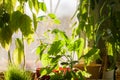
x=26 y=27
x=55 y=47
x=15 y=20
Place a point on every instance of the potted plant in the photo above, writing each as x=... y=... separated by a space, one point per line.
x=61 y=52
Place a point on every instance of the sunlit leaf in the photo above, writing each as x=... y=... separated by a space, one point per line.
x=41 y=18
x=55 y=47
x=43 y=71
x=42 y=6
x=81 y=47
x=45 y=60
x=30 y=38
x=86 y=74
x=18 y=53
x=110 y=50
x=17 y=56
x=57 y=21
x=34 y=21
x=30 y=4
x=60 y=34
x=40 y=49
x=36 y=5
x=77 y=45
x=52 y=16
x=92 y=55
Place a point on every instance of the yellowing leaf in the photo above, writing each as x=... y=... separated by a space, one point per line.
x=18 y=53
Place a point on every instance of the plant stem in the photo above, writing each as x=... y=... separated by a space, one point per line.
x=9 y=57
x=24 y=61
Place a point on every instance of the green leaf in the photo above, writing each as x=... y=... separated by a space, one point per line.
x=76 y=45
x=30 y=5
x=45 y=60
x=34 y=21
x=41 y=18
x=36 y=5
x=60 y=34
x=26 y=27
x=55 y=47
x=52 y=16
x=81 y=47
x=18 y=53
x=85 y=74
x=68 y=75
x=5 y=37
x=19 y=43
x=80 y=75
x=92 y=55
x=57 y=21
x=17 y=56
x=15 y=20
x=110 y=49
x=43 y=71
x=55 y=59
x=30 y=38
x=42 y=6
x=40 y=49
